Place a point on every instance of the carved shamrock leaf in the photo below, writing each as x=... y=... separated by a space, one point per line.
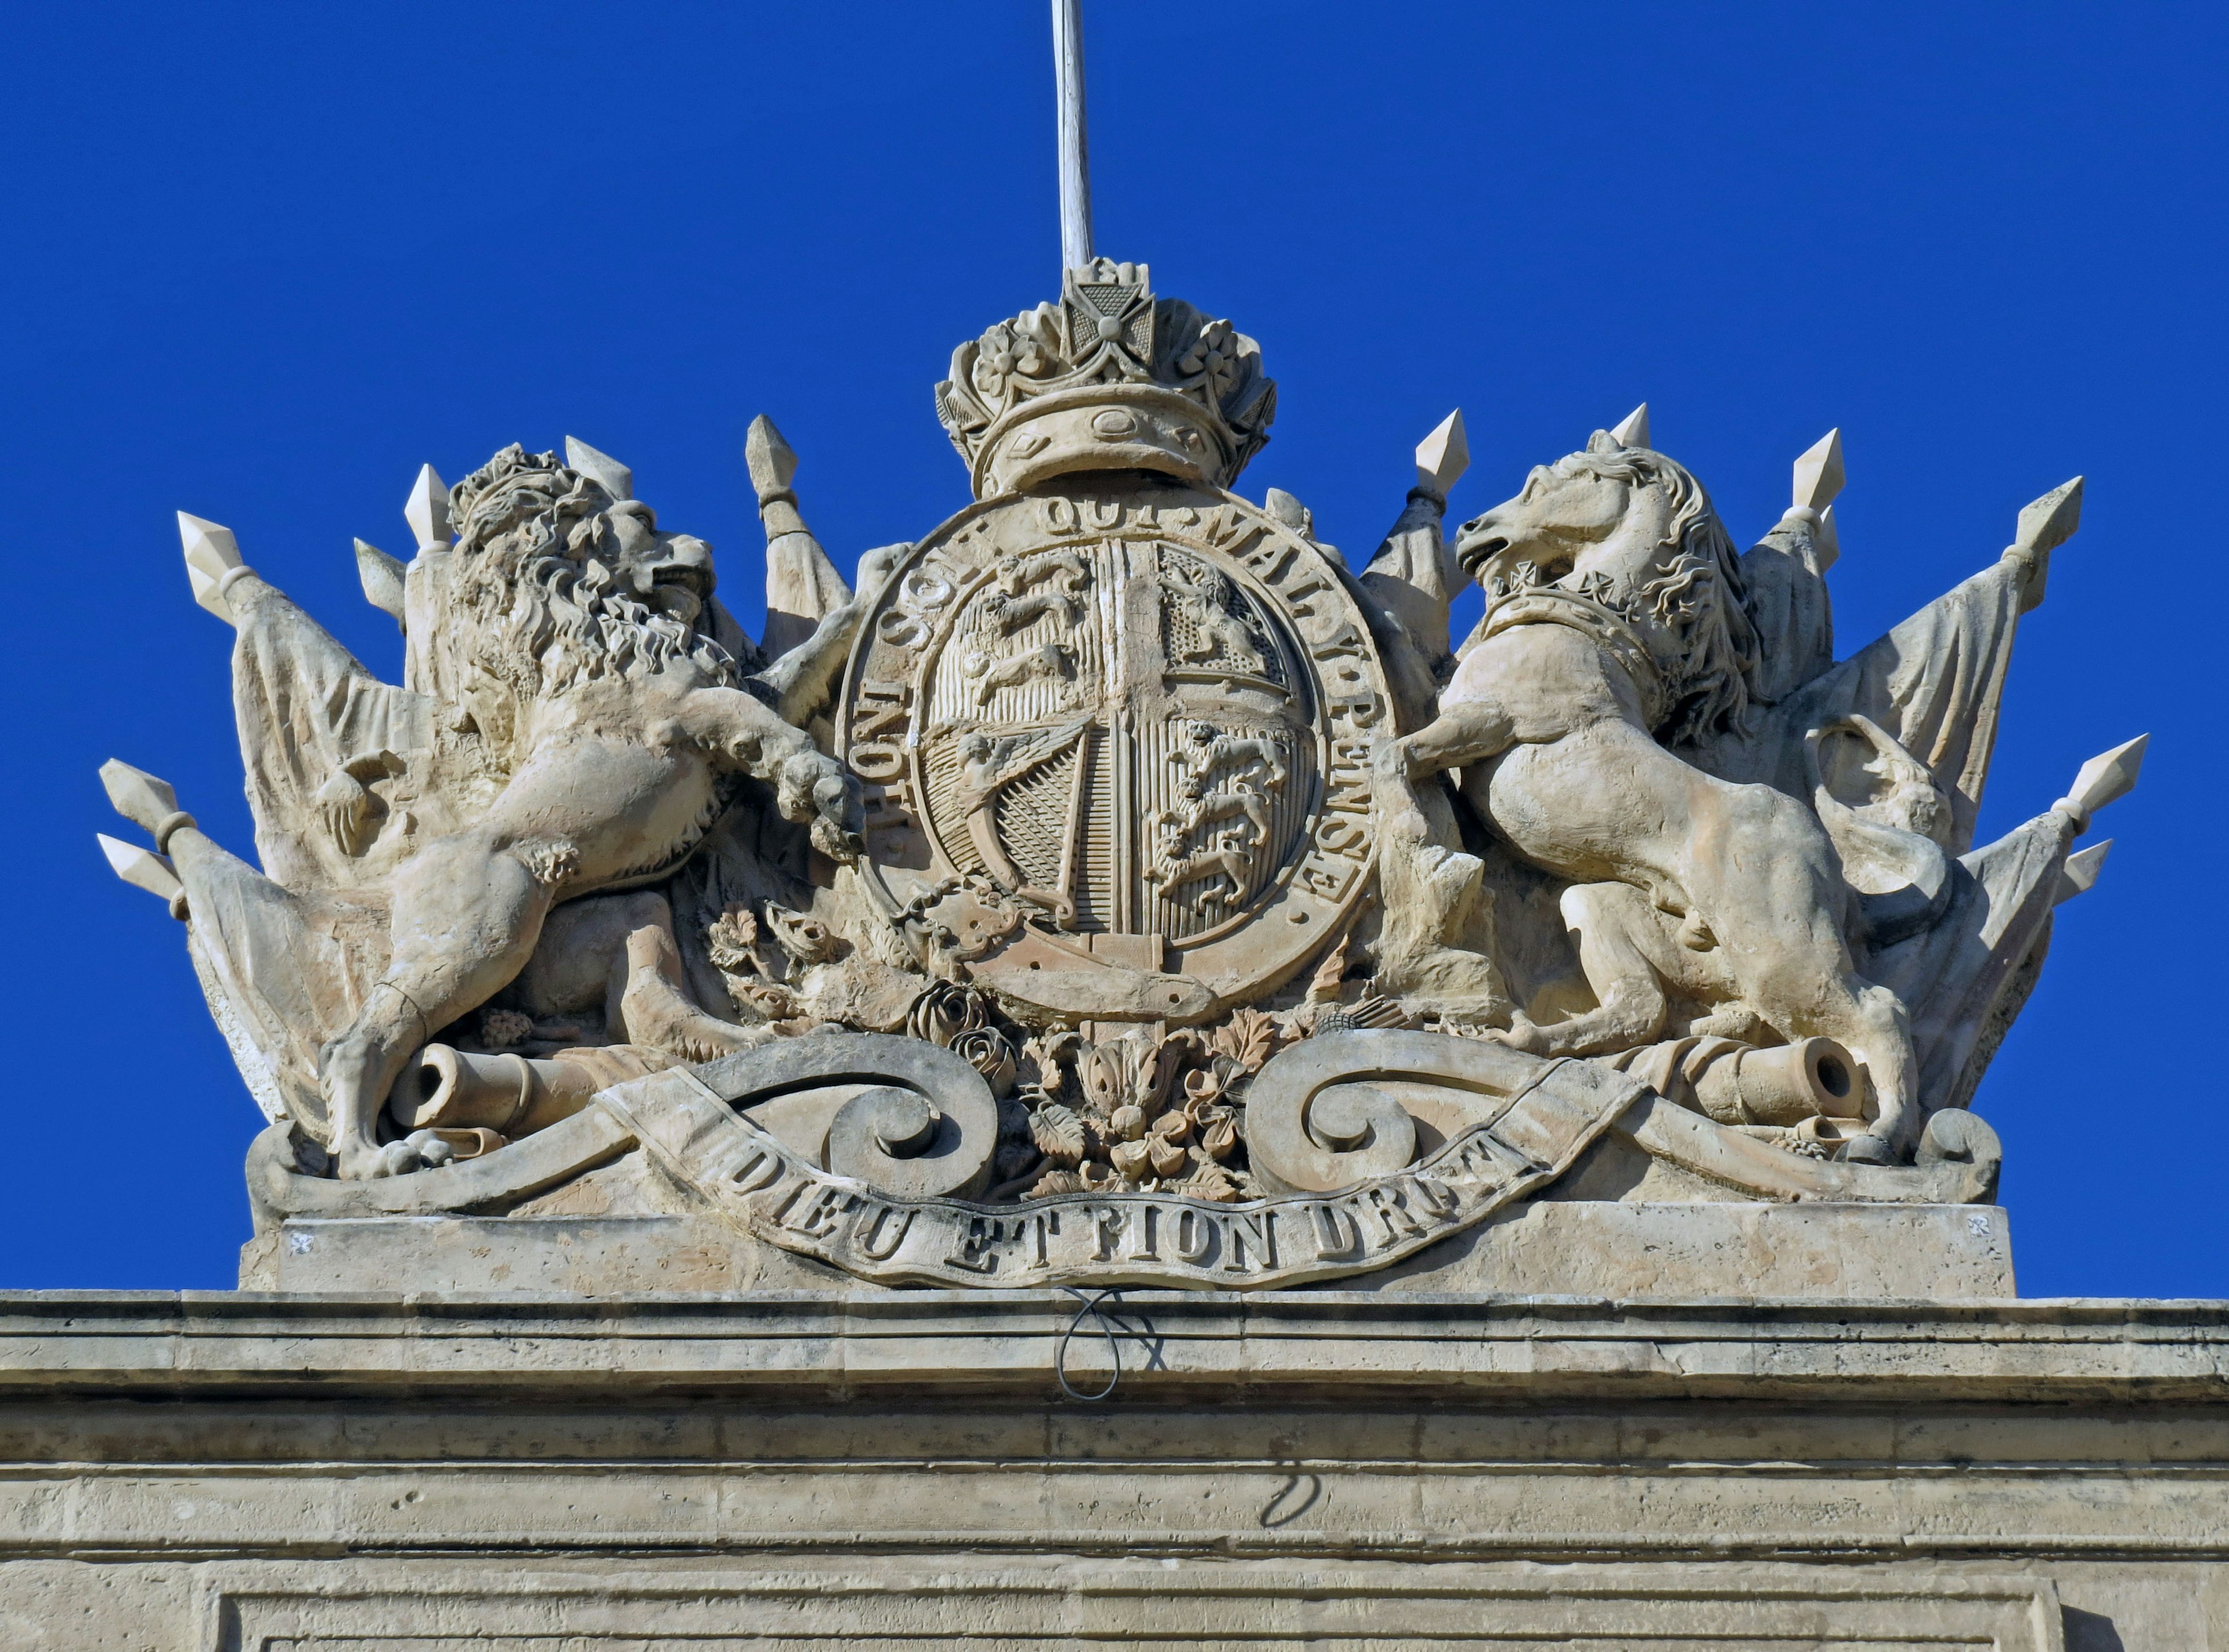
x=730 y=940
x=1043 y=1062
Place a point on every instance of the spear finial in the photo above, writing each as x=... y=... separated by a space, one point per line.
x=1075 y=157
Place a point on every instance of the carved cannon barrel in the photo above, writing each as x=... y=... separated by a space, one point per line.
x=1783 y=1085
x=447 y=1089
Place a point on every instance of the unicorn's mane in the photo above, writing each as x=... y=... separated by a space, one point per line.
x=1689 y=601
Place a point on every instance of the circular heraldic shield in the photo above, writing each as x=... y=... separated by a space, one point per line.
x=1116 y=741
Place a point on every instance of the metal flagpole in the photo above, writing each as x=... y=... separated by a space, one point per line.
x=1075 y=156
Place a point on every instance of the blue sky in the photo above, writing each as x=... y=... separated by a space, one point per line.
x=268 y=260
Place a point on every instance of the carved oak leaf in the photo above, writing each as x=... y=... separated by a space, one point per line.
x=1059 y=1134
x=1055 y=1182
x=1250 y=1038
x=1208 y=1181
x=1040 y=1065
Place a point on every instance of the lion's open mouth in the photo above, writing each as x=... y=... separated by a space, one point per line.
x=679 y=592
x=1475 y=554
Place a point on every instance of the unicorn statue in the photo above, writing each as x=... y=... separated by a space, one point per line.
x=1648 y=806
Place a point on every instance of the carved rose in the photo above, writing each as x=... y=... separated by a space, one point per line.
x=944 y=1012
x=989 y=1051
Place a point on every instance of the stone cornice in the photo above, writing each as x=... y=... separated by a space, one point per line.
x=1299 y=1347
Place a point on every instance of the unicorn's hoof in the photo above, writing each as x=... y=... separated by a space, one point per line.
x=1870 y=1150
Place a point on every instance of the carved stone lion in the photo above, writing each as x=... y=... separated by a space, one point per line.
x=569 y=724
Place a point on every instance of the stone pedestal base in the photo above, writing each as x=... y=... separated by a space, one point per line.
x=891 y=1469
x=1674 y=1252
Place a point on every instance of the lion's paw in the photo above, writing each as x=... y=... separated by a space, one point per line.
x=1521 y=1034
x=797 y=783
x=836 y=841
x=814 y=790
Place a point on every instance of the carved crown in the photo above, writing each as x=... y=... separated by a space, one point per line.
x=1112 y=378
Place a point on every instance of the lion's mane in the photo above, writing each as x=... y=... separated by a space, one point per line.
x=544 y=612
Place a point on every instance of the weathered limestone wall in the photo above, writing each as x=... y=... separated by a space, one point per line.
x=1394 y=1471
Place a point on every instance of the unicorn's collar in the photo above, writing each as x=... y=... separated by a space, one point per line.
x=1552 y=605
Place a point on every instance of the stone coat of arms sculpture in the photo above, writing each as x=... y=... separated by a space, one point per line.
x=1117 y=887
